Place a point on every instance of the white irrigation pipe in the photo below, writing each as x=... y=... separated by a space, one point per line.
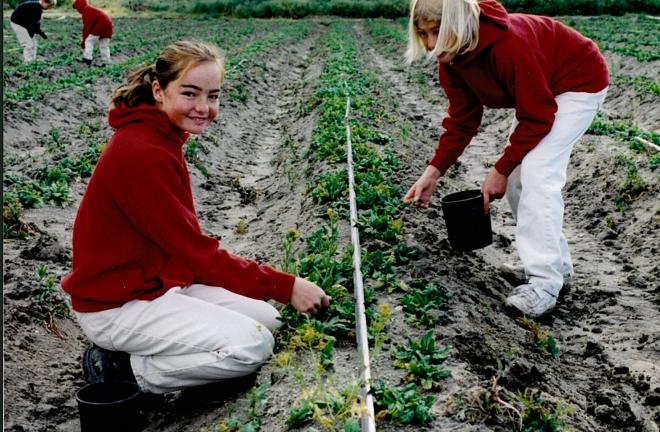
x=367 y=421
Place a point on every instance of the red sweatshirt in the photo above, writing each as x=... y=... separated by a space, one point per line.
x=95 y=21
x=136 y=234
x=522 y=62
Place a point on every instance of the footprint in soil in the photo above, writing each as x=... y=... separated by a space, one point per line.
x=612 y=407
x=47 y=249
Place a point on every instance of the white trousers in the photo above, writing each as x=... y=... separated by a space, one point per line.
x=187 y=337
x=104 y=47
x=28 y=43
x=534 y=190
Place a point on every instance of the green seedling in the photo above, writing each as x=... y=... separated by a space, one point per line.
x=540 y=415
x=422 y=300
x=424 y=363
x=404 y=405
x=48 y=292
x=249 y=420
x=632 y=185
x=192 y=155
x=55 y=142
x=239 y=93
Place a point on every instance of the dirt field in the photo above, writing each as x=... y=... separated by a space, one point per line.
x=606 y=322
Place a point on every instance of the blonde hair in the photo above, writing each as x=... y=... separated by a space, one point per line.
x=175 y=60
x=459 y=27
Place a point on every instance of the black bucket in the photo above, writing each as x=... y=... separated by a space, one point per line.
x=468 y=227
x=110 y=406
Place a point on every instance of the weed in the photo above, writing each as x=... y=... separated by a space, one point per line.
x=48 y=292
x=330 y=408
x=289 y=263
x=241 y=227
x=405 y=131
x=543 y=340
x=610 y=222
x=12 y=224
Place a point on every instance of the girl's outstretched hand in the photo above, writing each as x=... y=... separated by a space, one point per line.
x=308 y=298
x=494 y=187
x=420 y=193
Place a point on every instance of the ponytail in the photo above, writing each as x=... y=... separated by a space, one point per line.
x=137 y=88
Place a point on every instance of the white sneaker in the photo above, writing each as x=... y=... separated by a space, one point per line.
x=533 y=300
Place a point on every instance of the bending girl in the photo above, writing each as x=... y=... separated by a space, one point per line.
x=554 y=78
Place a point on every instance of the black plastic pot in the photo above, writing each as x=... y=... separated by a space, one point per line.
x=111 y=406
x=468 y=227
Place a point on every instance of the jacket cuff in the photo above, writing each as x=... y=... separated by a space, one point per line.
x=505 y=166
x=282 y=286
x=440 y=163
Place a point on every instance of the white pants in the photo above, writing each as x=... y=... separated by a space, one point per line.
x=104 y=47
x=534 y=190
x=187 y=337
x=28 y=43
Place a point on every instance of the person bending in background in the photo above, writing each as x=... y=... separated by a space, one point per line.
x=97 y=28
x=554 y=78
x=26 y=22
x=163 y=303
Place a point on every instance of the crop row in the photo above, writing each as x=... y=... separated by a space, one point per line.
x=51 y=183
x=641 y=38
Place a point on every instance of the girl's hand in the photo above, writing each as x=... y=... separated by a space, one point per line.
x=308 y=298
x=420 y=193
x=494 y=187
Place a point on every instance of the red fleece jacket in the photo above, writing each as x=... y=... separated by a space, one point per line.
x=136 y=234
x=522 y=62
x=95 y=21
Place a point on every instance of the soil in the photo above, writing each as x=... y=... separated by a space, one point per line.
x=606 y=321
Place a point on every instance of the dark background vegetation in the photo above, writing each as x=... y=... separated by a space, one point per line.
x=358 y=8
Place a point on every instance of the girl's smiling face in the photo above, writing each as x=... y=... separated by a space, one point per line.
x=192 y=101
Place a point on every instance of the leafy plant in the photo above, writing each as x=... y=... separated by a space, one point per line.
x=327 y=406
x=538 y=415
x=404 y=405
x=250 y=420
x=423 y=298
x=631 y=186
x=424 y=363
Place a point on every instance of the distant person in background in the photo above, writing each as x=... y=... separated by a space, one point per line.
x=26 y=22
x=554 y=78
x=97 y=29
x=163 y=303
